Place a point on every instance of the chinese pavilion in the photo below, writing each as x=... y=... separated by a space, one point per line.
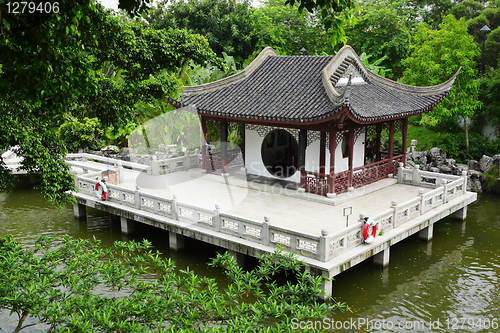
x=326 y=123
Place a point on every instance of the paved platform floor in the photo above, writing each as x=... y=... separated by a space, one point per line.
x=286 y=207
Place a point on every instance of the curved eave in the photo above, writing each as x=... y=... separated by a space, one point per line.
x=235 y=78
x=357 y=118
x=348 y=52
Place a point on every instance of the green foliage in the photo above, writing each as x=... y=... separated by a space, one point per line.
x=79 y=286
x=86 y=133
x=491 y=180
x=287 y=31
x=227 y=25
x=383 y=30
x=375 y=65
x=80 y=61
x=335 y=15
x=436 y=56
x=490 y=95
x=454 y=143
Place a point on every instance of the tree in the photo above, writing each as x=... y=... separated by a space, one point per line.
x=435 y=56
x=227 y=25
x=283 y=28
x=384 y=29
x=335 y=15
x=51 y=65
x=490 y=96
x=55 y=282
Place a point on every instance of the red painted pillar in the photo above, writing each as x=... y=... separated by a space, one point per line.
x=379 y=135
x=351 y=153
x=203 y=138
x=223 y=144
x=391 y=145
x=322 y=152
x=331 y=176
x=405 y=139
x=302 y=157
x=243 y=144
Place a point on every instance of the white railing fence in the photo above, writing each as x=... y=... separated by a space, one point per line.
x=323 y=247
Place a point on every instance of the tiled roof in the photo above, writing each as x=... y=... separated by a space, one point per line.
x=307 y=88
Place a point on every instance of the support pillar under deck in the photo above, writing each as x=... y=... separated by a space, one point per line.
x=382 y=258
x=79 y=210
x=426 y=233
x=461 y=214
x=175 y=241
x=240 y=257
x=127 y=225
x=327 y=286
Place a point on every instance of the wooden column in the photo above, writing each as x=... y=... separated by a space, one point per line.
x=243 y=144
x=405 y=139
x=351 y=153
x=223 y=145
x=203 y=138
x=302 y=157
x=391 y=145
x=322 y=152
x=331 y=176
x=379 y=136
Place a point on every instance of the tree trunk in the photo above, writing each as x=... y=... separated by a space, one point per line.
x=21 y=322
x=466 y=133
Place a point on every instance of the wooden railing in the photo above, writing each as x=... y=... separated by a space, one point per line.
x=369 y=173
x=316 y=183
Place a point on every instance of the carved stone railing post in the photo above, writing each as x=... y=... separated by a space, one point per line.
x=120 y=173
x=265 y=236
x=394 y=205
x=444 y=184
x=216 y=220
x=416 y=175
x=155 y=168
x=175 y=207
x=137 y=200
x=323 y=252
x=421 y=195
x=464 y=176
x=400 y=173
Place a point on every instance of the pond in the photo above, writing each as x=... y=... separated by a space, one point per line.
x=450 y=284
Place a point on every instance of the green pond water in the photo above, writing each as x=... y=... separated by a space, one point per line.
x=450 y=284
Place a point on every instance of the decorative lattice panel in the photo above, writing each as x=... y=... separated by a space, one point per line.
x=265 y=130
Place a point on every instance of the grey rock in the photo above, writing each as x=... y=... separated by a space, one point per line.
x=473 y=164
x=438 y=156
x=111 y=149
x=450 y=162
x=485 y=163
x=496 y=159
x=445 y=169
x=162 y=147
x=476 y=186
x=127 y=151
x=434 y=169
x=474 y=175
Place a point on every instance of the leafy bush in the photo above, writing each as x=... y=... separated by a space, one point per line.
x=491 y=180
x=85 y=133
x=77 y=285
